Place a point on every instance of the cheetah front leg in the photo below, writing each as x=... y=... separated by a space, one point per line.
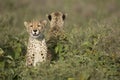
x=29 y=60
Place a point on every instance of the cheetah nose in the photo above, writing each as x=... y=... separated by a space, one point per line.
x=35 y=30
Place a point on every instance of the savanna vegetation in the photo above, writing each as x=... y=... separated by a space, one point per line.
x=92 y=28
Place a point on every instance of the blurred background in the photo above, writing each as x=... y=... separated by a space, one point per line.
x=13 y=13
x=93 y=26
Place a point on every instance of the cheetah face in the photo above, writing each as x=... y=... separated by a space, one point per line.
x=56 y=19
x=35 y=28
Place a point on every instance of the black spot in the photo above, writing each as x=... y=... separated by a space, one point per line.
x=33 y=54
x=32 y=57
x=49 y=17
x=63 y=17
x=42 y=57
x=31 y=64
x=41 y=54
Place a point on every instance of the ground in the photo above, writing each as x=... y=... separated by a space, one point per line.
x=92 y=27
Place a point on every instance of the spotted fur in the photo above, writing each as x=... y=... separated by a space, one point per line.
x=56 y=32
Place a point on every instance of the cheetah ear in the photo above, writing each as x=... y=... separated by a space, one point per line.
x=49 y=17
x=25 y=23
x=44 y=22
x=64 y=16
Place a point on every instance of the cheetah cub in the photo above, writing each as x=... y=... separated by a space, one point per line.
x=56 y=20
x=36 y=49
x=56 y=32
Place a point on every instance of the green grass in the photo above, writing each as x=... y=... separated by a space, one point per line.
x=92 y=28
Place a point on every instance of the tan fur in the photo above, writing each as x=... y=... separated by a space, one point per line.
x=36 y=49
x=56 y=23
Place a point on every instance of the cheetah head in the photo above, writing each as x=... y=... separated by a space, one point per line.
x=35 y=28
x=56 y=19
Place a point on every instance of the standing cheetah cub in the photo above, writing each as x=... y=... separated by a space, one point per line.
x=36 y=49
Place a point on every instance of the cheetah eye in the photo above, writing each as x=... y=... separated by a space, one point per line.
x=38 y=25
x=31 y=25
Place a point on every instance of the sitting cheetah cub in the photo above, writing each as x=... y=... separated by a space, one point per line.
x=56 y=32
x=36 y=49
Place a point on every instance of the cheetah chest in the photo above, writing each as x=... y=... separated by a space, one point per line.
x=37 y=51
